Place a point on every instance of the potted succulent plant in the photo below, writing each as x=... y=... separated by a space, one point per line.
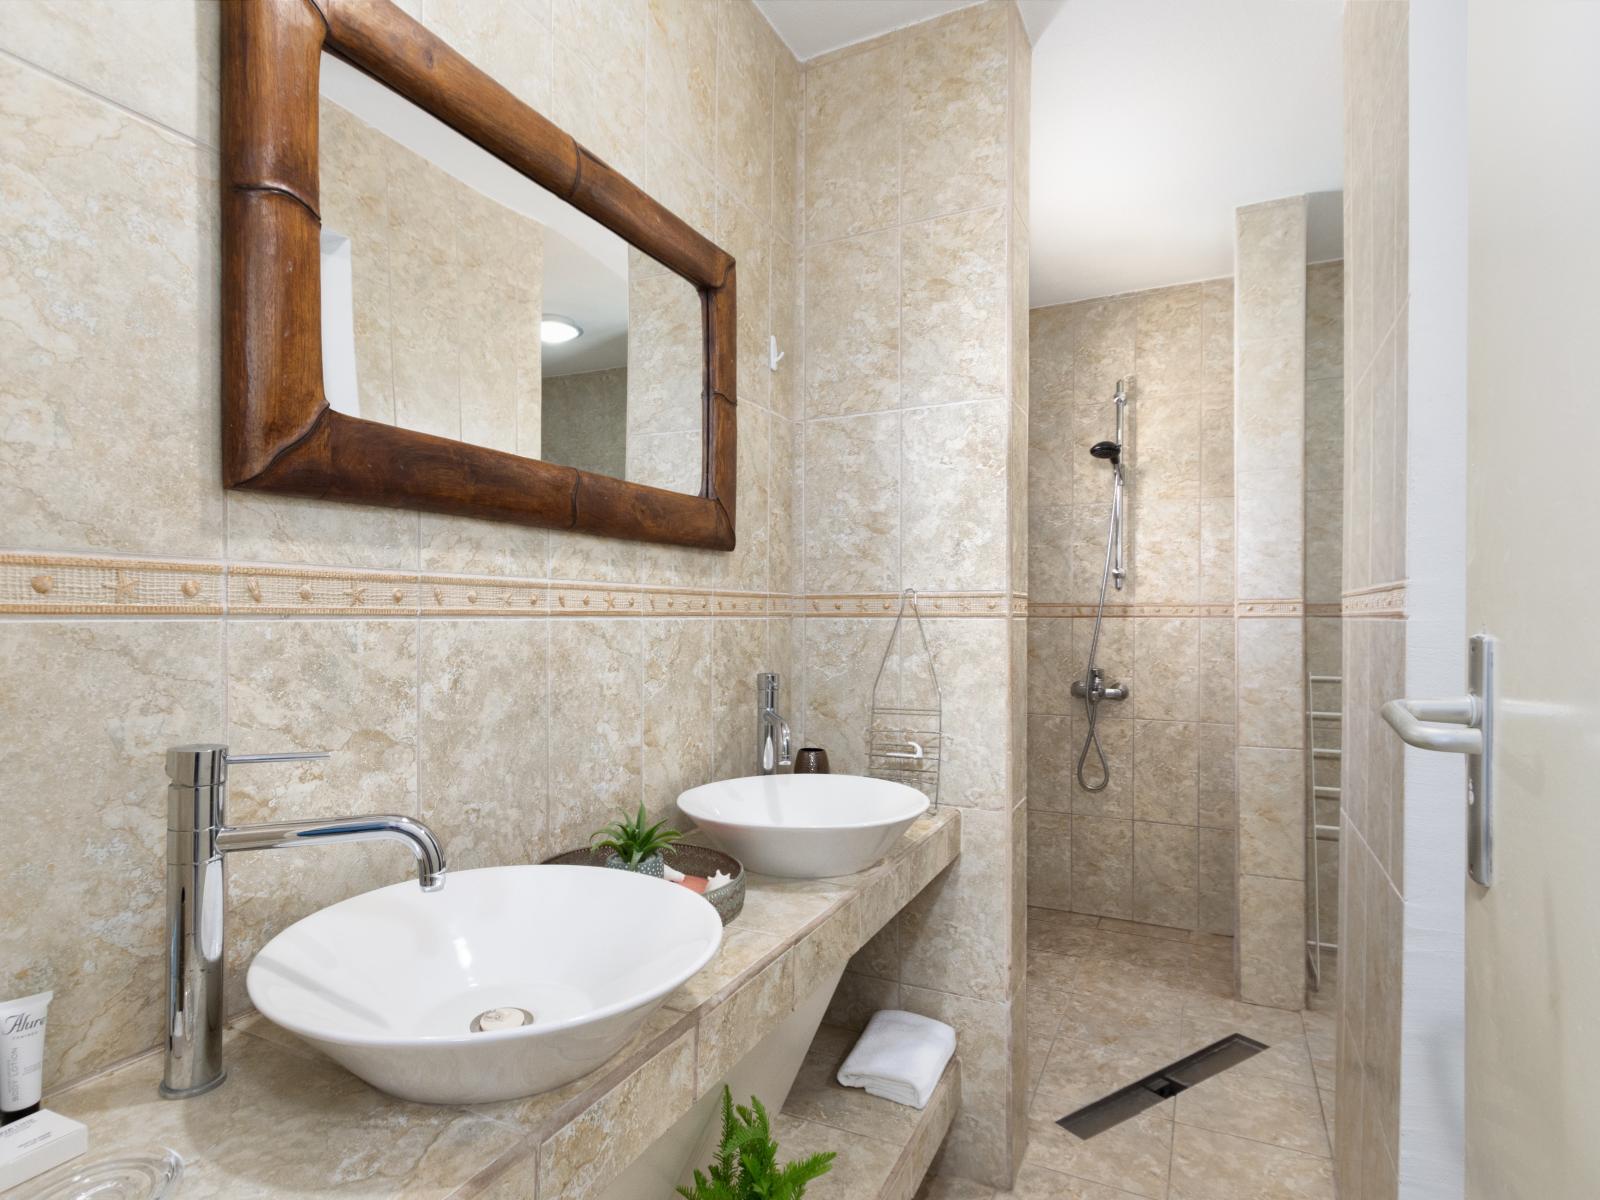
x=746 y=1166
x=635 y=844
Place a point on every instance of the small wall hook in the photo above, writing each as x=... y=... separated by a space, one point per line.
x=774 y=355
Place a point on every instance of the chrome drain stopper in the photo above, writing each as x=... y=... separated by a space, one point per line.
x=494 y=1019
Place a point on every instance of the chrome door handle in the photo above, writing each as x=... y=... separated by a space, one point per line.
x=1450 y=726
x=1464 y=725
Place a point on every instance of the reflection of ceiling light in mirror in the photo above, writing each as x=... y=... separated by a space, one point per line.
x=554 y=330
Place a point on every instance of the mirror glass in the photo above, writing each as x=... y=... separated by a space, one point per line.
x=460 y=298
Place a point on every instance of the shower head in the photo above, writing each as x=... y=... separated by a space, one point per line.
x=1110 y=450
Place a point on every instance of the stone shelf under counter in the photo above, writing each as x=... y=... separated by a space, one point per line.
x=289 y=1122
x=884 y=1149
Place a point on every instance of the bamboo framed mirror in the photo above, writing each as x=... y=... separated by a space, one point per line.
x=298 y=319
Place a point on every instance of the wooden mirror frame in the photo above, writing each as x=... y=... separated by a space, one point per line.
x=279 y=433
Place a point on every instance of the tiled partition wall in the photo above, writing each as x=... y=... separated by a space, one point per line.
x=1372 y=846
x=511 y=687
x=1269 y=480
x=1157 y=844
x=913 y=429
x=1324 y=508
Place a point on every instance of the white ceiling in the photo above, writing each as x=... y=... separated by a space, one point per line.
x=1152 y=121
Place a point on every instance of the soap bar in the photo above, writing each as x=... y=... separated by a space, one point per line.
x=36 y=1143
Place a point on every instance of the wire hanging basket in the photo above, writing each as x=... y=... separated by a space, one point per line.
x=904 y=735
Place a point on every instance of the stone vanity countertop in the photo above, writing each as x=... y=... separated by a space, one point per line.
x=288 y=1122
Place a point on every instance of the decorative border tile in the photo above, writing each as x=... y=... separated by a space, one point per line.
x=887 y=604
x=455 y=595
x=1269 y=608
x=62 y=584
x=1040 y=608
x=1381 y=601
x=310 y=591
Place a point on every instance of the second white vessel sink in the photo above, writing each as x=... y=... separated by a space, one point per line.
x=508 y=982
x=804 y=826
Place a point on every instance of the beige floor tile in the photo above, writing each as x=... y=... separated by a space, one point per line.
x=1164 y=958
x=1053 y=972
x=1258 y=1107
x=1079 y=1073
x=1157 y=1021
x=1215 y=1166
x=1051 y=932
x=1034 y=1182
x=951 y=1187
x=1121 y=983
x=1133 y=1156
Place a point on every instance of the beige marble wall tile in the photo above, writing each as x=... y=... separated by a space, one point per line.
x=1271 y=696
x=851 y=173
x=1270 y=403
x=970 y=655
x=953 y=520
x=953 y=97
x=852 y=513
x=1164 y=551
x=739 y=653
x=953 y=335
x=842 y=658
x=1166 y=446
x=1216 y=446
x=1269 y=534
x=1104 y=353
x=1217 y=804
x=483 y=739
x=1271 y=930
x=978 y=1146
x=1217 y=551
x=1216 y=351
x=1115 y=799
x=677 y=711
x=87 y=872
x=788 y=114
x=1167 y=662
x=1170 y=340
x=1165 y=772
x=285 y=529
x=1052 y=756
x=596 y=685
x=101 y=205
x=1102 y=866
x=786 y=388
x=785 y=537
x=1271 y=812
x=597 y=77
x=1052 y=340
x=957 y=927
x=852 y=328
x=745 y=567
x=1270 y=262
x=1052 y=659
x=681 y=47
x=1049 y=859
x=347 y=687
x=1216 y=700
x=1165 y=874
x=135 y=68
x=746 y=60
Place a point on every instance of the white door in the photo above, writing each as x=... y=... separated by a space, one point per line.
x=1533 y=580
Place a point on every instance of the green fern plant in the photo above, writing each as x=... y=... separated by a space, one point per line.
x=746 y=1165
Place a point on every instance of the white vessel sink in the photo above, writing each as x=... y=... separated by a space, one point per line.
x=389 y=984
x=804 y=826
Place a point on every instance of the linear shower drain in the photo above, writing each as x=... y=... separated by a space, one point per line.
x=1132 y=1100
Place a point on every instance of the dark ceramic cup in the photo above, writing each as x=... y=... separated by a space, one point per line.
x=811 y=760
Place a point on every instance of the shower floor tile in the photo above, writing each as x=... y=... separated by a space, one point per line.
x=1109 y=1001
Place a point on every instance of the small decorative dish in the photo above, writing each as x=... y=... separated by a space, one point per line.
x=692 y=860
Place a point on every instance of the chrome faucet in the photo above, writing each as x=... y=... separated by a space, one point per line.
x=197 y=843
x=772 y=731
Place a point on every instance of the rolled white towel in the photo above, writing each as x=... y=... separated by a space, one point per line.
x=900 y=1057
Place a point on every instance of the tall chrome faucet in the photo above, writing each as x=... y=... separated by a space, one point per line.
x=197 y=843
x=772 y=731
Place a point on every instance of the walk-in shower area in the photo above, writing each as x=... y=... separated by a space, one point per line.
x=1184 y=557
